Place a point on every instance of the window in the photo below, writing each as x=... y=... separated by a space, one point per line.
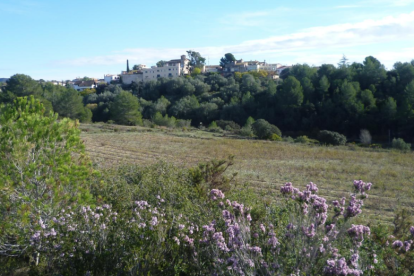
x=158 y=76
x=169 y=69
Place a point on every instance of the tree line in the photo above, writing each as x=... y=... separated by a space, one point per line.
x=344 y=98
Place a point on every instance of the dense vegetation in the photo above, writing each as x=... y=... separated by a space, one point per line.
x=59 y=216
x=344 y=99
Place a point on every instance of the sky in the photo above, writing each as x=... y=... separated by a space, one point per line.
x=61 y=39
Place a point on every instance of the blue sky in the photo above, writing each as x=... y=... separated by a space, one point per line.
x=60 y=39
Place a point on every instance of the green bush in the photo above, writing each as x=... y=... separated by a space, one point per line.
x=246 y=131
x=276 y=137
x=224 y=124
x=288 y=139
x=264 y=130
x=399 y=144
x=166 y=121
x=302 y=139
x=331 y=138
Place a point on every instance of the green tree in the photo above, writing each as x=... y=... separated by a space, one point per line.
x=22 y=85
x=196 y=72
x=70 y=104
x=161 y=63
x=343 y=62
x=228 y=58
x=125 y=109
x=264 y=130
x=43 y=168
x=196 y=60
x=292 y=92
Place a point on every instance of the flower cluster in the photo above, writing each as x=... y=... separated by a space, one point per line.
x=340 y=267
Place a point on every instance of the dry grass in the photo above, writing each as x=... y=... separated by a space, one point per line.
x=267 y=165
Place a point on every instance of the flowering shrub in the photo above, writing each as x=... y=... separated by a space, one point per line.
x=229 y=239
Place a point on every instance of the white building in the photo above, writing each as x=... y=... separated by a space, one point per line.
x=82 y=85
x=108 y=78
x=171 y=69
x=212 y=69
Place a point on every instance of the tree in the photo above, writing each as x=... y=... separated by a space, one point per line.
x=196 y=71
x=161 y=63
x=69 y=104
x=43 y=168
x=228 y=58
x=196 y=60
x=292 y=92
x=343 y=62
x=22 y=85
x=125 y=109
x=264 y=130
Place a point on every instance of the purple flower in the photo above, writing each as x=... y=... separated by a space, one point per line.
x=176 y=240
x=397 y=244
x=412 y=230
x=256 y=250
x=310 y=231
x=354 y=207
x=407 y=245
x=154 y=221
x=273 y=242
x=357 y=233
x=141 y=204
x=312 y=187
x=215 y=193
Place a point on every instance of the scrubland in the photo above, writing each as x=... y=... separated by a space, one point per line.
x=265 y=165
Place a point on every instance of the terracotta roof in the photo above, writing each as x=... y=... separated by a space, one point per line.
x=85 y=83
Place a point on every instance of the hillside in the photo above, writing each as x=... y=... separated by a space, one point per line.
x=265 y=165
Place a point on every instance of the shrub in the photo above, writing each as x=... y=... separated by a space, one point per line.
x=166 y=121
x=399 y=144
x=213 y=125
x=276 y=137
x=331 y=138
x=246 y=131
x=302 y=139
x=288 y=139
x=223 y=124
x=365 y=137
x=183 y=123
x=264 y=130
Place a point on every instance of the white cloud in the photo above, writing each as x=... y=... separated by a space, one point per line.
x=315 y=39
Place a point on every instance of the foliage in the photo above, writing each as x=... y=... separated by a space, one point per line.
x=159 y=120
x=264 y=129
x=331 y=138
x=196 y=60
x=161 y=63
x=43 y=168
x=276 y=137
x=227 y=125
x=398 y=143
x=228 y=58
x=125 y=109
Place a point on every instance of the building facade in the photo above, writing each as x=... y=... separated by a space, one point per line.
x=171 y=69
x=108 y=78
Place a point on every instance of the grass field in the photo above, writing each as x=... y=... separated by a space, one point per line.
x=266 y=165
